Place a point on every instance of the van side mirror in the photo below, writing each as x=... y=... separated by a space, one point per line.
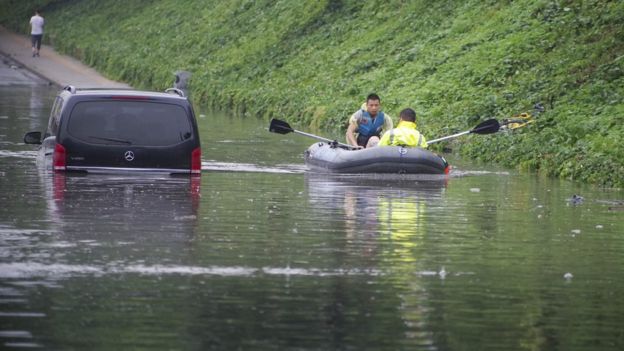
x=32 y=138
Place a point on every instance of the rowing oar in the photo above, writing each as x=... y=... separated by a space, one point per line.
x=282 y=127
x=486 y=127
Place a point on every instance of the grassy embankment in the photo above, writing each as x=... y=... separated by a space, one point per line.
x=312 y=63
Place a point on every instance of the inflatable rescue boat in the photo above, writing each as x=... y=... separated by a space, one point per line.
x=328 y=157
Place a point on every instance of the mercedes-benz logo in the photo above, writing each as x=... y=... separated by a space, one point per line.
x=129 y=156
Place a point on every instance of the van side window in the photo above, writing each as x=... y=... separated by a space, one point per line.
x=55 y=117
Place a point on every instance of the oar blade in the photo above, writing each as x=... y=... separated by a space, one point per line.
x=280 y=127
x=487 y=127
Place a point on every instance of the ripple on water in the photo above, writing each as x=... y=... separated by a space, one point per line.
x=24 y=270
x=465 y=173
x=7 y=291
x=21 y=334
x=23 y=314
x=19 y=154
x=250 y=167
x=12 y=301
x=23 y=345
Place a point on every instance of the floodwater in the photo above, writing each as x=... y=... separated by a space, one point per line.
x=258 y=254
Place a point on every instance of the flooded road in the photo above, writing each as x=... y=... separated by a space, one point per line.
x=257 y=253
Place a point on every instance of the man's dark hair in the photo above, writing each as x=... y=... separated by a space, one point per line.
x=408 y=115
x=372 y=96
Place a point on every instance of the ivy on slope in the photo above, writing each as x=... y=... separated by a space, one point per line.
x=313 y=62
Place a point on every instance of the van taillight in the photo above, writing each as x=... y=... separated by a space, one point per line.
x=58 y=158
x=196 y=161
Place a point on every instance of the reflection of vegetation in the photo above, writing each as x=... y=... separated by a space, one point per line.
x=454 y=61
x=506 y=250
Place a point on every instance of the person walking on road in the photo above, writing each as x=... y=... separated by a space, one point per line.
x=36 y=32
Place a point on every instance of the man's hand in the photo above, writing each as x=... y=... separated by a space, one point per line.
x=350 y=135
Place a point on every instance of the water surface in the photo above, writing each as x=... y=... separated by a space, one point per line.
x=258 y=253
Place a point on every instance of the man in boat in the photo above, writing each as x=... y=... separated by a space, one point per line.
x=368 y=122
x=405 y=134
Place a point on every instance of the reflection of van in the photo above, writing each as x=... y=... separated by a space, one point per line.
x=113 y=130
x=123 y=198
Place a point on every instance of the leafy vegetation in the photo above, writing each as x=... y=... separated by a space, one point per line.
x=313 y=62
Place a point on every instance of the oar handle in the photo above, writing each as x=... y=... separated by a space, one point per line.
x=324 y=139
x=447 y=137
x=282 y=127
x=486 y=127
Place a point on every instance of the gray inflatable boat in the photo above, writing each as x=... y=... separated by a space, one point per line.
x=325 y=157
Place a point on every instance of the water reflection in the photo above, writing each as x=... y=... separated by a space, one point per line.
x=88 y=227
x=158 y=211
x=265 y=255
x=384 y=215
x=101 y=224
x=38 y=106
x=22 y=108
x=384 y=225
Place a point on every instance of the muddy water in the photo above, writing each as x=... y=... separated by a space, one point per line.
x=260 y=254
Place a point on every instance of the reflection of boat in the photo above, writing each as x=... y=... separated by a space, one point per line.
x=387 y=159
x=384 y=223
x=382 y=215
x=333 y=188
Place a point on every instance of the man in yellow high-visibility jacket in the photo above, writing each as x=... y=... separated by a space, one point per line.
x=405 y=134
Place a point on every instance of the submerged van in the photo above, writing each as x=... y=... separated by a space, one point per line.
x=118 y=130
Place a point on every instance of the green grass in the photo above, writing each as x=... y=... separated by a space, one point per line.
x=313 y=62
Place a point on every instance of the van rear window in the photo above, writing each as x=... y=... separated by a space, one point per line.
x=141 y=123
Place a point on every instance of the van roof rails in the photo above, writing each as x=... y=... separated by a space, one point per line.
x=175 y=91
x=70 y=88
